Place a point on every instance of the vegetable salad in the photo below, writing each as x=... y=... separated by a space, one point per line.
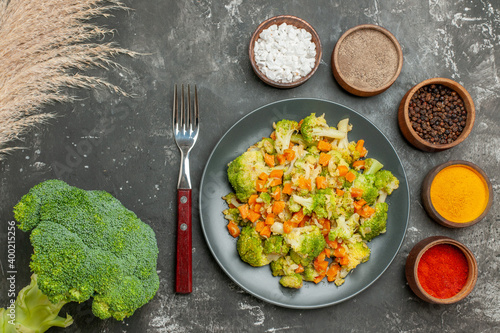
x=307 y=201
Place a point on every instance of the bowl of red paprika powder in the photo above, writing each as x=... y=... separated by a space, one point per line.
x=436 y=114
x=441 y=270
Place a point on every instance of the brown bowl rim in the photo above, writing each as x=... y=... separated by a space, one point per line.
x=299 y=23
x=363 y=92
x=413 y=137
x=426 y=194
x=411 y=269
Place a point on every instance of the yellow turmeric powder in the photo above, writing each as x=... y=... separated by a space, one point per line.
x=459 y=193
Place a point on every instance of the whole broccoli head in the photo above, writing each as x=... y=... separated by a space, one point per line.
x=367 y=184
x=291 y=281
x=314 y=128
x=276 y=245
x=386 y=181
x=88 y=245
x=375 y=225
x=357 y=253
x=307 y=242
x=243 y=172
x=284 y=131
x=250 y=247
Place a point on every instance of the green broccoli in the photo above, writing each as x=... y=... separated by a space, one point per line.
x=320 y=204
x=291 y=281
x=87 y=244
x=366 y=183
x=307 y=242
x=283 y=266
x=233 y=214
x=250 y=248
x=314 y=128
x=276 y=245
x=357 y=253
x=284 y=130
x=344 y=229
x=372 y=166
x=293 y=206
x=243 y=172
x=306 y=203
x=267 y=144
x=298 y=139
x=385 y=181
x=375 y=225
x=309 y=273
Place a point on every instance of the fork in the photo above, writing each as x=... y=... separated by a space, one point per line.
x=185 y=128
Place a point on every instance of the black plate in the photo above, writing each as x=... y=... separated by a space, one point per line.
x=259 y=281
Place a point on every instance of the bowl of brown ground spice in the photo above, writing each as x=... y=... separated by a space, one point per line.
x=367 y=60
x=457 y=194
x=436 y=114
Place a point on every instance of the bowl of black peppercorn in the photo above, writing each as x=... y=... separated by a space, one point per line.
x=436 y=114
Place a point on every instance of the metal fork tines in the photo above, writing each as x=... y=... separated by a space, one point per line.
x=185 y=125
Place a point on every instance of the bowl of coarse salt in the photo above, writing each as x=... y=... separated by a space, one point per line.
x=285 y=51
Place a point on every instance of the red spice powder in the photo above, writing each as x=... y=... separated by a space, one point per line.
x=443 y=271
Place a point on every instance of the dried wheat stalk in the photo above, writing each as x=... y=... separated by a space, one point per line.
x=42 y=43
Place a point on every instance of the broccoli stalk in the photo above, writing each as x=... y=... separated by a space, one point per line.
x=86 y=244
x=314 y=128
x=32 y=312
x=372 y=166
x=284 y=130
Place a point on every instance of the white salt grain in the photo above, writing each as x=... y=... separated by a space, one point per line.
x=285 y=54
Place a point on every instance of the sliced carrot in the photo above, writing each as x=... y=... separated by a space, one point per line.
x=233 y=229
x=324 y=159
x=278 y=173
x=269 y=219
x=297 y=217
x=304 y=183
x=350 y=177
x=299 y=269
x=332 y=271
x=260 y=185
x=266 y=232
x=269 y=159
x=359 y=164
x=324 y=146
x=275 y=182
x=252 y=199
x=344 y=261
x=273 y=135
x=300 y=123
x=326 y=227
x=277 y=193
x=356 y=192
x=360 y=148
x=281 y=159
x=288 y=226
x=289 y=154
x=253 y=216
x=339 y=192
x=263 y=176
x=278 y=207
x=319 y=278
x=321 y=266
x=287 y=188
x=339 y=252
x=259 y=226
x=327 y=252
x=257 y=207
x=365 y=211
x=321 y=182
x=332 y=244
x=342 y=170
x=243 y=211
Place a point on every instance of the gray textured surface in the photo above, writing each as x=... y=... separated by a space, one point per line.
x=125 y=146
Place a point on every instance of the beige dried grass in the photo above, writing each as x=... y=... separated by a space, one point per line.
x=45 y=45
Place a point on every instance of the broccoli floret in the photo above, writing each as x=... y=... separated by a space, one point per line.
x=366 y=184
x=266 y=197
x=233 y=214
x=345 y=127
x=33 y=312
x=386 y=181
x=307 y=242
x=375 y=225
x=372 y=166
x=309 y=273
x=243 y=173
x=344 y=229
x=231 y=199
x=306 y=203
x=298 y=139
x=293 y=206
x=284 y=130
x=267 y=144
x=87 y=244
x=357 y=253
x=250 y=247
x=276 y=245
x=320 y=205
x=291 y=281
x=314 y=128
x=283 y=266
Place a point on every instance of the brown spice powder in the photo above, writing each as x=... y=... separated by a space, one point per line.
x=367 y=59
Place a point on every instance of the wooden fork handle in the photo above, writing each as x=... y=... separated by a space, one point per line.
x=184 y=280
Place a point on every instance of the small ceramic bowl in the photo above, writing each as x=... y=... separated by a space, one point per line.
x=413 y=260
x=290 y=20
x=426 y=194
x=367 y=60
x=406 y=126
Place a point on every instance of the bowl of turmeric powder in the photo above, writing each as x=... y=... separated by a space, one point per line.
x=441 y=270
x=457 y=194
